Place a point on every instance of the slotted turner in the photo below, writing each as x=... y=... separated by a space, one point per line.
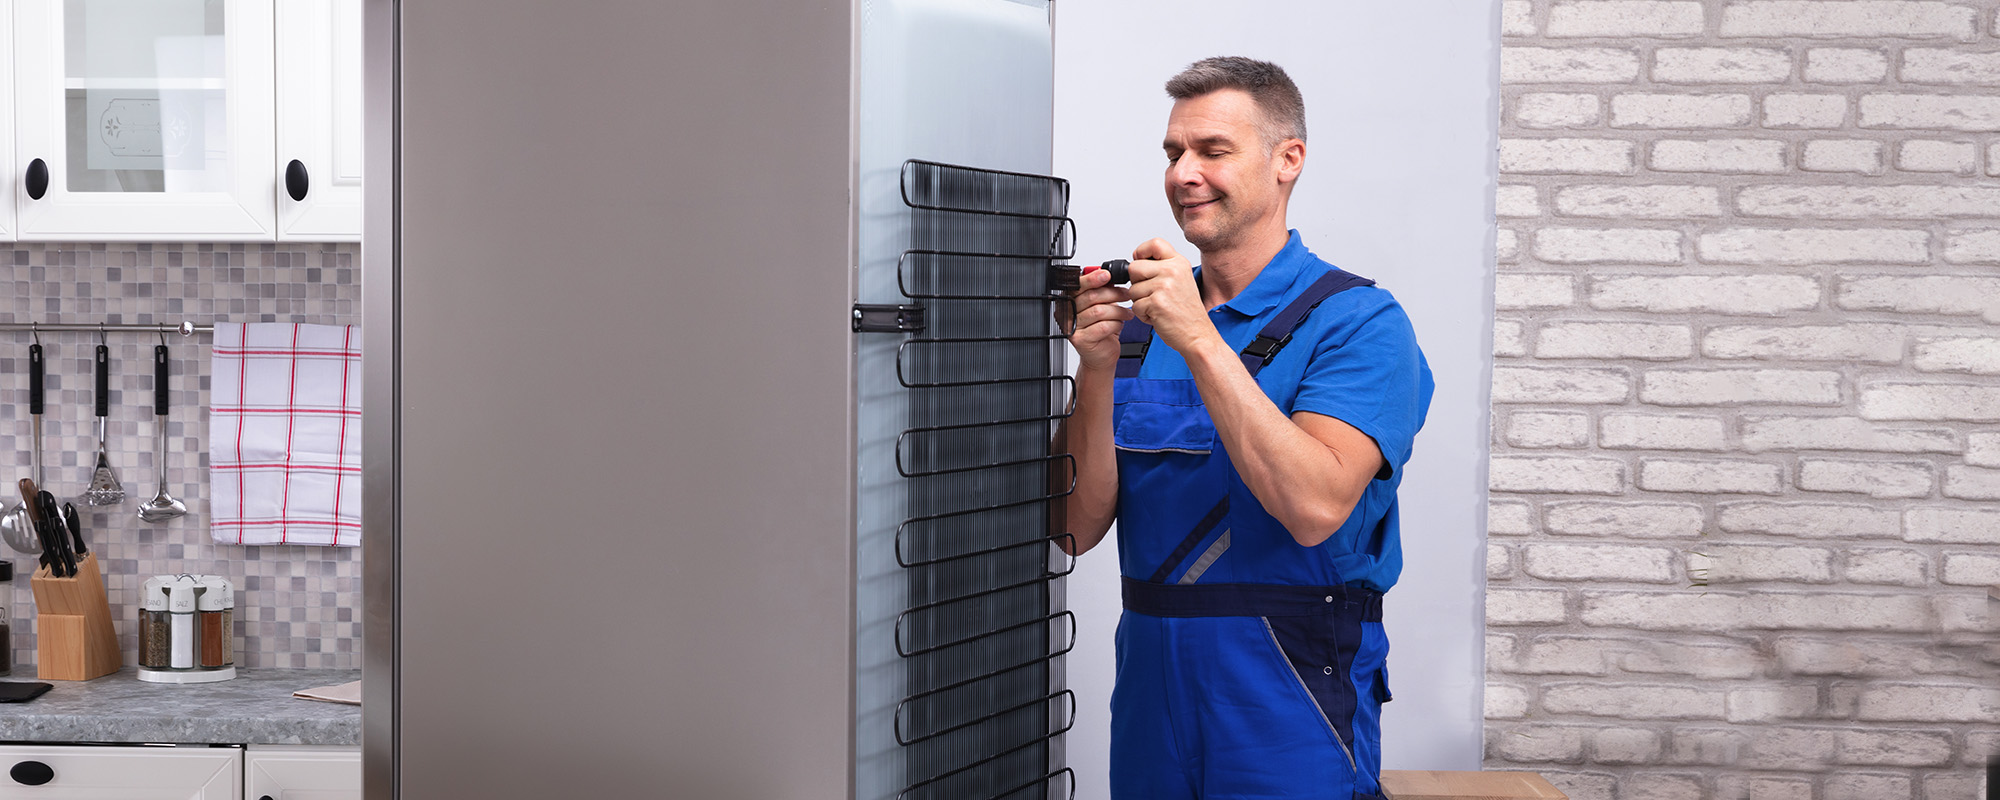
x=105 y=490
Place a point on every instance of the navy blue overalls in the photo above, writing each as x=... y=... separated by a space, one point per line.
x=1257 y=685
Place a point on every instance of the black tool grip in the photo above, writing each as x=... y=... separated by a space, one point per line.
x=1121 y=271
x=159 y=380
x=103 y=393
x=34 y=379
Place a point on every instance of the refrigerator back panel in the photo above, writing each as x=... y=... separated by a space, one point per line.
x=951 y=531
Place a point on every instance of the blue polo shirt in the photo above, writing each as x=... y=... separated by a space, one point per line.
x=1355 y=358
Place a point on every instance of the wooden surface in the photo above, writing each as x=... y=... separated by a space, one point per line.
x=1437 y=785
x=74 y=639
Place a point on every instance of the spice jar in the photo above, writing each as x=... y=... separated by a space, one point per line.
x=216 y=606
x=187 y=626
x=180 y=616
x=155 y=634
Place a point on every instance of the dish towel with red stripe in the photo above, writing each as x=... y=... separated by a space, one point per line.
x=284 y=434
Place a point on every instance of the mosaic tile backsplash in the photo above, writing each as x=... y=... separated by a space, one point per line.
x=297 y=607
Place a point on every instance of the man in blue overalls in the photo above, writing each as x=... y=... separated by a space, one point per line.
x=1246 y=423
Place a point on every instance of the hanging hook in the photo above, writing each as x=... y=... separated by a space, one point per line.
x=100 y=334
x=163 y=337
x=34 y=329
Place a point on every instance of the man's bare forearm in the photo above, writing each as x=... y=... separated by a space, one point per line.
x=1307 y=484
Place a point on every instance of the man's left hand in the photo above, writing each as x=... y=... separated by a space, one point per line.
x=1165 y=295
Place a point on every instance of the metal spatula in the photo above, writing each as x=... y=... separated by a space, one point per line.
x=17 y=527
x=105 y=490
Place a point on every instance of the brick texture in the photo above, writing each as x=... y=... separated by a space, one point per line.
x=1745 y=483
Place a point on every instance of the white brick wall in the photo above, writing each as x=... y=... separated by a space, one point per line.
x=1746 y=470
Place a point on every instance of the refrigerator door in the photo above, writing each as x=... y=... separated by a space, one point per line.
x=609 y=260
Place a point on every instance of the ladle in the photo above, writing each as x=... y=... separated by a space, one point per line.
x=163 y=506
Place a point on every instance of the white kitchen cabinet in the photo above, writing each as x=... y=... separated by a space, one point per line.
x=58 y=772
x=180 y=120
x=319 y=120
x=9 y=178
x=302 y=773
x=153 y=119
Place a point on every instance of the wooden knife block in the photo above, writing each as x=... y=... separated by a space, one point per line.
x=74 y=640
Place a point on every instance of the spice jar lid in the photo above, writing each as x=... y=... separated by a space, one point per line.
x=217 y=595
x=181 y=595
x=153 y=597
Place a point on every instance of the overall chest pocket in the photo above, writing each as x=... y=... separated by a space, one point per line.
x=1149 y=415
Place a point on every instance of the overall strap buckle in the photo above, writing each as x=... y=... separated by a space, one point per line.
x=1278 y=332
x=1133 y=341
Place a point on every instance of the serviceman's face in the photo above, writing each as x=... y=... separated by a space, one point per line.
x=1222 y=177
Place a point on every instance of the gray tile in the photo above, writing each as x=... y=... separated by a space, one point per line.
x=281 y=621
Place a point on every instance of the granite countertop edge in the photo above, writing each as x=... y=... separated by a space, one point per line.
x=255 y=708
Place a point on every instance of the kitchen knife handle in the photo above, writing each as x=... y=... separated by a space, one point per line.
x=57 y=541
x=34 y=379
x=159 y=380
x=103 y=398
x=75 y=525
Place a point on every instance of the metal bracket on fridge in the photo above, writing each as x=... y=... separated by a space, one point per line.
x=870 y=318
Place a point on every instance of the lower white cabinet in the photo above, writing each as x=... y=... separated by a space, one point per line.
x=71 y=772
x=302 y=773
x=186 y=772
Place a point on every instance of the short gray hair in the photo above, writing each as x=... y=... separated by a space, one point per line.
x=1267 y=84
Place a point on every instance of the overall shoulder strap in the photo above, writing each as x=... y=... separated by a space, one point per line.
x=1133 y=340
x=1278 y=332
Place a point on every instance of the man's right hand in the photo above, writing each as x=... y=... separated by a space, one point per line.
x=1099 y=318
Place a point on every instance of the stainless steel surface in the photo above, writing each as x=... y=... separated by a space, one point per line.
x=380 y=537
x=19 y=530
x=105 y=490
x=163 y=506
x=16 y=526
x=576 y=186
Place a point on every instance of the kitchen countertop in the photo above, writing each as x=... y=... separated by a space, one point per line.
x=257 y=707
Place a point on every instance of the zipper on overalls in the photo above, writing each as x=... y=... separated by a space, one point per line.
x=1268 y=631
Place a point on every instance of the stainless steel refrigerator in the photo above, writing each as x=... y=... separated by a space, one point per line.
x=709 y=378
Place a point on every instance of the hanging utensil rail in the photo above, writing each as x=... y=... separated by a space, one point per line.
x=184 y=329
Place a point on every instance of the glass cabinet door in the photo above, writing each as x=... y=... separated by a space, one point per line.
x=144 y=119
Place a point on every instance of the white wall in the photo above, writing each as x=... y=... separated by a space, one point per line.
x=1398 y=186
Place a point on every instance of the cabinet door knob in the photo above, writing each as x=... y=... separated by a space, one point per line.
x=38 y=179
x=296 y=180
x=32 y=773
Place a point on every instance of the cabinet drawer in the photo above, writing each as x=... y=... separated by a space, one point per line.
x=127 y=773
x=302 y=773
